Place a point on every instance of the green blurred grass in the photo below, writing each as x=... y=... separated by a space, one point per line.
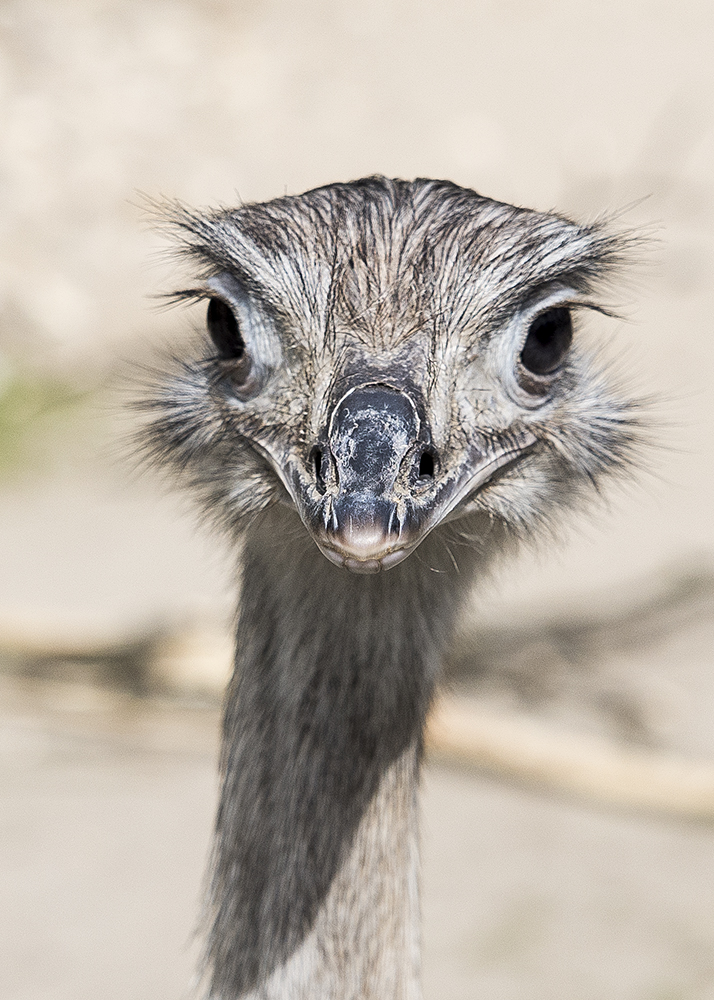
x=38 y=413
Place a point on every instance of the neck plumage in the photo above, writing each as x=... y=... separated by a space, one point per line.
x=314 y=879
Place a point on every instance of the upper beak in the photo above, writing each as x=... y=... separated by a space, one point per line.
x=368 y=517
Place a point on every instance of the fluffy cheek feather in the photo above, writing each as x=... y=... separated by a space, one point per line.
x=574 y=454
x=197 y=440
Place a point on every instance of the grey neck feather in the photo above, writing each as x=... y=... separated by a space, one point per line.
x=314 y=875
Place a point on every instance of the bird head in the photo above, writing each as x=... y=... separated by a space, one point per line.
x=391 y=359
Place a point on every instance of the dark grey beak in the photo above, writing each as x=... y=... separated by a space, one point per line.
x=375 y=487
x=374 y=447
x=371 y=432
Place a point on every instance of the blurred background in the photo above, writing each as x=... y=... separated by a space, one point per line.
x=114 y=608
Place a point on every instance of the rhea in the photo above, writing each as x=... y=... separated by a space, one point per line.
x=390 y=393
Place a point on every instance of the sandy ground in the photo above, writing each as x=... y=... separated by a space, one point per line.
x=105 y=814
x=106 y=805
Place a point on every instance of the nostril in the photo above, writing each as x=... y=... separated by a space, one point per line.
x=317 y=458
x=426 y=465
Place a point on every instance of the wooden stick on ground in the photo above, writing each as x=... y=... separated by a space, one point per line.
x=511 y=745
x=519 y=747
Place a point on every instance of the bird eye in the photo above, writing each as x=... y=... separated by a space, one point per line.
x=224 y=331
x=548 y=341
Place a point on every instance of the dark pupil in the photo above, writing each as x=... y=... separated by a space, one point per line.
x=223 y=329
x=547 y=342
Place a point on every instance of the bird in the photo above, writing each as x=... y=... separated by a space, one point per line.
x=389 y=393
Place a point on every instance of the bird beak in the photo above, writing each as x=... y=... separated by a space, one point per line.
x=374 y=488
x=372 y=438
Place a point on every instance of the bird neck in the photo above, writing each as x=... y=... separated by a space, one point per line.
x=314 y=877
